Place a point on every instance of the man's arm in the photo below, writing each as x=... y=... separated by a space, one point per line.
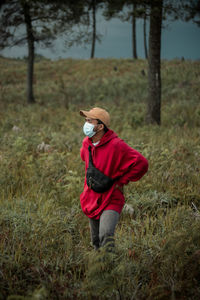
x=83 y=149
x=133 y=165
x=82 y=152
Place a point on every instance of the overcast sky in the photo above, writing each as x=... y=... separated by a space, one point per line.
x=179 y=39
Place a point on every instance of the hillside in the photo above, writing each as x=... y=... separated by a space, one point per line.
x=45 y=240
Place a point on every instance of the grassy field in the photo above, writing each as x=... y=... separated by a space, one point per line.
x=45 y=250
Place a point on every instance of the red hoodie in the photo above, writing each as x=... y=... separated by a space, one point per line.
x=114 y=158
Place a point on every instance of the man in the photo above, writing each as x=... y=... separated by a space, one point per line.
x=115 y=159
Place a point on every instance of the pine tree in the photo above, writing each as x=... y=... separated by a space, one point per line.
x=154 y=77
x=40 y=22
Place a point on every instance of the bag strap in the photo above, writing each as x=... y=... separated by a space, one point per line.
x=90 y=156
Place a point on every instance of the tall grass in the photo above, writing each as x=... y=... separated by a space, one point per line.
x=45 y=250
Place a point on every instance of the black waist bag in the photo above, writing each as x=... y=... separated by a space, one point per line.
x=96 y=180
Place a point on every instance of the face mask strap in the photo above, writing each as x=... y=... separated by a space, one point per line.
x=105 y=127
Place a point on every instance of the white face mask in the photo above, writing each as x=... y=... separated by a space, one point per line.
x=88 y=129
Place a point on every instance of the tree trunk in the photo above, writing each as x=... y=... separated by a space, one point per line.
x=145 y=37
x=93 y=28
x=30 y=66
x=134 y=33
x=154 y=77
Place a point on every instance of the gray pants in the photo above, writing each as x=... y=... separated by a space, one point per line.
x=102 y=230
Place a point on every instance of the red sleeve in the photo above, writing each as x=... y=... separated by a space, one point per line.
x=84 y=148
x=133 y=164
x=82 y=153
